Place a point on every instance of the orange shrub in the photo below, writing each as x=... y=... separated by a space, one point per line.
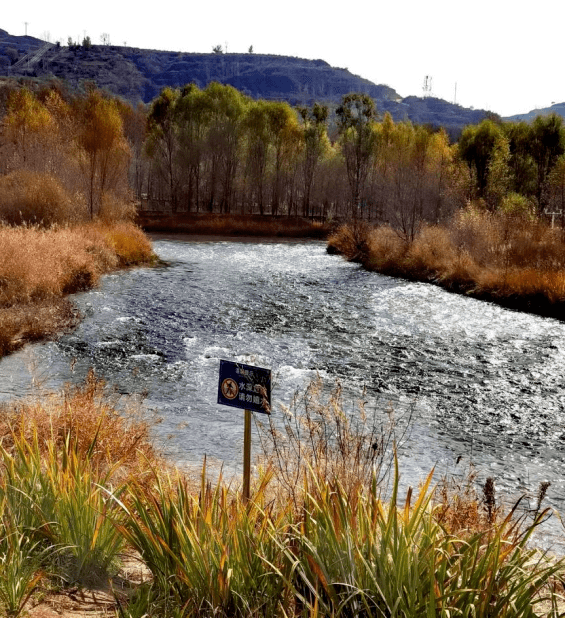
x=35 y=198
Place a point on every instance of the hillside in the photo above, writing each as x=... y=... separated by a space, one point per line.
x=138 y=75
x=556 y=108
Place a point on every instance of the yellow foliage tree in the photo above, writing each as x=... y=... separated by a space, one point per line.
x=28 y=125
x=104 y=151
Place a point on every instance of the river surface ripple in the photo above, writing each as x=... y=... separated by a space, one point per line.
x=485 y=383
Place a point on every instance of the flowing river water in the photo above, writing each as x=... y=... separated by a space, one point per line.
x=484 y=384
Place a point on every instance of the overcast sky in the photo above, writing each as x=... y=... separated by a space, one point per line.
x=490 y=54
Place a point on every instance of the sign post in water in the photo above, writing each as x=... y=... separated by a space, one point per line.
x=248 y=388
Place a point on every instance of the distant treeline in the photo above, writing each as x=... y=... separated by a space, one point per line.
x=217 y=150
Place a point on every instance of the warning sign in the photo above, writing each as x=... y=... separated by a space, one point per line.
x=245 y=386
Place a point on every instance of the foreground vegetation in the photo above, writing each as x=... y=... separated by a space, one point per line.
x=324 y=535
x=507 y=257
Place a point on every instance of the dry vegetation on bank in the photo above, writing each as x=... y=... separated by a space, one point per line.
x=81 y=489
x=515 y=260
x=233 y=225
x=39 y=266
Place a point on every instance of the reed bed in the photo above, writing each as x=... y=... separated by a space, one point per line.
x=39 y=266
x=80 y=485
x=509 y=258
x=233 y=225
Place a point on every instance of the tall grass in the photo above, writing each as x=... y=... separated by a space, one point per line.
x=79 y=483
x=321 y=538
x=507 y=257
x=37 y=263
x=233 y=225
x=65 y=459
x=39 y=266
x=28 y=197
x=209 y=553
x=342 y=555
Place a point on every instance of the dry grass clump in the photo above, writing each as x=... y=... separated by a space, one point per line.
x=129 y=243
x=87 y=419
x=460 y=508
x=503 y=240
x=507 y=257
x=351 y=240
x=38 y=263
x=23 y=323
x=36 y=198
x=114 y=209
x=39 y=266
x=318 y=435
x=233 y=225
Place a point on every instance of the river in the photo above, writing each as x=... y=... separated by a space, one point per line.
x=484 y=384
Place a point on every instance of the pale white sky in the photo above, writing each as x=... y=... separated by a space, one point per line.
x=501 y=56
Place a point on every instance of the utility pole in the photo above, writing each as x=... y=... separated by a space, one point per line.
x=26 y=23
x=427 y=87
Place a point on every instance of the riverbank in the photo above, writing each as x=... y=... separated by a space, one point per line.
x=512 y=261
x=206 y=224
x=40 y=267
x=146 y=537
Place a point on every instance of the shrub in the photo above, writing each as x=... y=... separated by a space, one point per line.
x=35 y=198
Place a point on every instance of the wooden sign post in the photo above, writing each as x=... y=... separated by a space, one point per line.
x=247 y=456
x=249 y=388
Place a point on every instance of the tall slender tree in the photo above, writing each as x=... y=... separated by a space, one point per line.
x=356 y=116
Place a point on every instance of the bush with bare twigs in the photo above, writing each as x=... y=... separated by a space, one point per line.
x=507 y=256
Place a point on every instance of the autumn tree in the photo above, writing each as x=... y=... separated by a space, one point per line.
x=162 y=143
x=225 y=111
x=192 y=120
x=104 y=150
x=554 y=191
x=414 y=177
x=520 y=161
x=28 y=126
x=134 y=120
x=355 y=119
x=547 y=144
x=257 y=152
x=478 y=147
x=282 y=128
x=316 y=145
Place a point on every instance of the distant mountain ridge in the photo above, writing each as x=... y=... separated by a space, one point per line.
x=140 y=74
x=556 y=108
